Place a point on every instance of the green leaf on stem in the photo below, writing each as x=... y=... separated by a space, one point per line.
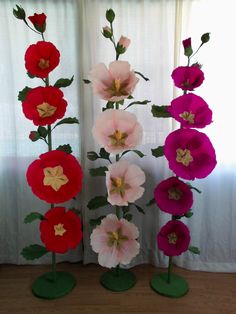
x=104 y=154
x=139 y=209
x=194 y=188
x=144 y=77
x=67 y=121
x=144 y=102
x=65 y=148
x=92 y=156
x=63 y=82
x=97 y=201
x=23 y=93
x=138 y=152
x=125 y=209
x=188 y=214
x=43 y=132
x=128 y=217
x=96 y=222
x=86 y=81
x=34 y=251
x=100 y=171
x=194 y=250
x=110 y=15
x=33 y=216
x=158 y=152
x=130 y=97
x=160 y=112
x=19 y=12
x=151 y=202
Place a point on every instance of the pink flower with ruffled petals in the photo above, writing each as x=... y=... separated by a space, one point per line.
x=113 y=84
x=173 y=238
x=173 y=196
x=117 y=131
x=188 y=77
x=190 y=154
x=123 y=182
x=115 y=241
x=191 y=111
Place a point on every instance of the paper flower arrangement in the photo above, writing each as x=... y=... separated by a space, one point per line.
x=190 y=155
x=56 y=176
x=118 y=132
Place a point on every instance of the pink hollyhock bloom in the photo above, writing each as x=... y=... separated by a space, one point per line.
x=173 y=196
x=187 y=77
x=173 y=238
x=187 y=43
x=124 y=42
x=115 y=83
x=191 y=111
x=115 y=241
x=190 y=154
x=123 y=181
x=117 y=131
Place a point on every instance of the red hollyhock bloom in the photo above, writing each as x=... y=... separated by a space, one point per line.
x=60 y=230
x=173 y=196
x=56 y=177
x=39 y=21
x=41 y=58
x=187 y=43
x=191 y=111
x=187 y=77
x=173 y=238
x=44 y=105
x=190 y=154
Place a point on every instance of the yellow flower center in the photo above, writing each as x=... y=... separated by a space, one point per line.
x=119 y=186
x=116 y=238
x=59 y=230
x=43 y=64
x=117 y=88
x=172 y=238
x=183 y=156
x=174 y=194
x=54 y=177
x=188 y=116
x=118 y=138
x=45 y=110
x=117 y=84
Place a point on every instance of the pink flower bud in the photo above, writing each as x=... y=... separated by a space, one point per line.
x=187 y=43
x=107 y=29
x=124 y=42
x=107 y=32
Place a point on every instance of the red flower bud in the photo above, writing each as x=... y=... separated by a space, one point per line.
x=34 y=136
x=187 y=43
x=39 y=21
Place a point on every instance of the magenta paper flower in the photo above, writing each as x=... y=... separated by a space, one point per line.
x=173 y=196
x=115 y=83
x=173 y=238
x=188 y=77
x=117 y=131
x=123 y=182
x=115 y=241
x=190 y=154
x=191 y=111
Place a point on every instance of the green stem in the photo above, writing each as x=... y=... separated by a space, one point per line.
x=43 y=37
x=169 y=270
x=196 y=51
x=31 y=28
x=54 y=274
x=49 y=138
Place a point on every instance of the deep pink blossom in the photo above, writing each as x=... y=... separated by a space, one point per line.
x=187 y=77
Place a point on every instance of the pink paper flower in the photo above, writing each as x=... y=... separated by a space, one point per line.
x=173 y=196
x=124 y=42
x=115 y=83
x=190 y=154
x=188 y=77
x=117 y=131
x=123 y=181
x=173 y=238
x=115 y=241
x=191 y=111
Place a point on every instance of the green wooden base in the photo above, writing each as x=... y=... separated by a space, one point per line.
x=177 y=287
x=118 y=280
x=46 y=287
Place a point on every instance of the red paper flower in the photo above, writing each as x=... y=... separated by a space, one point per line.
x=173 y=238
x=187 y=43
x=173 y=196
x=188 y=77
x=56 y=177
x=191 y=111
x=61 y=230
x=41 y=58
x=39 y=21
x=190 y=154
x=44 y=105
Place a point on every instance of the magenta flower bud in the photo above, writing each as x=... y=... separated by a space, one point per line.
x=187 y=42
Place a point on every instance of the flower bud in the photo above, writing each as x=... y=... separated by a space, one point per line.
x=205 y=38
x=110 y=15
x=34 y=136
x=92 y=156
x=19 y=12
x=107 y=32
x=187 y=47
x=39 y=21
x=124 y=42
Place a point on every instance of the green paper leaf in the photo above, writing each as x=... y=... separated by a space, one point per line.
x=138 y=152
x=160 y=112
x=31 y=75
x=100 y=171
x=96 y=222
x=86 y=81
x=128 y=217
x=144 y=77
x=144 y=102
x=188 y=214
x=23 y=93
x=151 y=202
x=97 y=201
x=109 y=105
x=43 y=132
x=158 y=152
x=125 y=209
x=194 y=188
x=176 y=217
x=34 y=251
x=32 y=217
x=139 y=209
x=67 y=121
x=110 y=15
x=130 y=97
x=63 y=82
x=194 y=250
x=65 y=148
x=92 y=156
x=104 y=154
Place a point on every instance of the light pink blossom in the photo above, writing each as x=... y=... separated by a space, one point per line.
x=115 y=241
x=117 y=131
x=115 y=83
x=124 y=42
x=123 y=182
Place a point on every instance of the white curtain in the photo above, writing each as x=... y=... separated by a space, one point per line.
x=156 y=29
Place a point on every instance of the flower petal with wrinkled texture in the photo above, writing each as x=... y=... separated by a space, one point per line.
x=187 y=77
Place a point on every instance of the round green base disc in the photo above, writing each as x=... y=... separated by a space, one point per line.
x=46 y=288
x=118 y=280
x=177 y=287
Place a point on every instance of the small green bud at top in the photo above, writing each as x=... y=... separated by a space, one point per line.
x=205 y=38
x=19 y=12
x=110 y=15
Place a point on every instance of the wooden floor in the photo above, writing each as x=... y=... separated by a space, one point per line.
x=210 y=293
